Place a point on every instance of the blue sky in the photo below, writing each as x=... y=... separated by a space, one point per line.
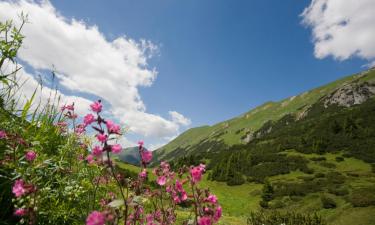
x=217 y=59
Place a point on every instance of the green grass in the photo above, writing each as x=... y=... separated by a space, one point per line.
x=255 y=118
x=238 y=201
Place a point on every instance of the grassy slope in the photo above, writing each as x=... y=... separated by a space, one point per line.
x=238 y=201
x=255 y=118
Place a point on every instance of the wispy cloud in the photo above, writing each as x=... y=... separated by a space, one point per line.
x=342 y=29
x=88 y=63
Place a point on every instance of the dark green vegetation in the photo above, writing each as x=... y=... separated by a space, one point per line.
x=312 y=153
x=284 y=218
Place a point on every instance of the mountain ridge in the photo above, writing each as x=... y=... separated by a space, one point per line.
x=237 y=130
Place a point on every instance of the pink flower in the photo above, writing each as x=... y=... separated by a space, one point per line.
x=161 y=180
x=95 y=218
x=3 y=134
x=88 y=119
x=68 y=107
x=62 y=124
x=196 y=173
x=90 y=159
x=19 y=188
x=204 y=221
x=30 y=155
x=116 y=148
x=20 y=212
x=97 y=151
x=102 y=137
x=179 y=185
x=96 y=106
x=218 y=213
x=140 y=144
x=112 y=127
x=80 y=129
x=146 y=156
x=212 y=198
x=143 y=174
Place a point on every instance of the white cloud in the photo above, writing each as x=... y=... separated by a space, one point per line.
x=87 y=62
x=179 y=118
x=342 y=29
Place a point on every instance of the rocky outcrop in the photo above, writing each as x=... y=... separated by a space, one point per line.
x=350 y=94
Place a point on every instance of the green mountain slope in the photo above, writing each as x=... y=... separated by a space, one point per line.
x=312 y=153
x=237 y=130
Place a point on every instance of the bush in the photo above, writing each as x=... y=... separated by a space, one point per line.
x=335 y=178
x=327 y=202
x=328 y=165
x=339 y=191
x=289 y=218
x=276 y=204
x=318 y=159
x=319 y=175
x=339 y=159
x=363 y=197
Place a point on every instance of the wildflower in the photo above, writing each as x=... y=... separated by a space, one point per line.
x=62 y=124
x=143 y=174
x=80 y=129
x=96 y=106
x=88 y=119
x=95 y=218
x=68 y=107
x=20 y=212
x=116 y=148
x=218 y=213
x=90 y=159
x=30 y=155
x=212 y=198
x=146 y=156
x=102 y=137
x=204 y=221
x=112 y=127
x=3 y=135
x=97 y=151
x=161 y=180
x=19 y=188
x=196 y=173
x=140 y=144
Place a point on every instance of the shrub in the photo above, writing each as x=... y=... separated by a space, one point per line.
x=363 y=197
x=318 y=159
x=339 y=159
x=327 y=165
x=339 y=191
x=327 y=202
x=319 y=175
x=335 y=178
x=289 y=218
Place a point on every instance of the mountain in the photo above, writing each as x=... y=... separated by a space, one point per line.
x=129 y=155
x=313 y=153
x=346 y=92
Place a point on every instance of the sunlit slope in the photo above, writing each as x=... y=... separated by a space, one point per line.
x=234 y=130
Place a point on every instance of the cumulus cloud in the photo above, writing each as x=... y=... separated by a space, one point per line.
x=87 y=62
x=179 y=118
x=342 y=29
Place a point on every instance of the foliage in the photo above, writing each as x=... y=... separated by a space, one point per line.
x=289 y=218
x=55 y=170
x=327 y=202
x=363 y=197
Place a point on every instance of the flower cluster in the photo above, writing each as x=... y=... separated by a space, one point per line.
x=136 y=200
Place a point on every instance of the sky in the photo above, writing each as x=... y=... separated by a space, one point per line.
x=164 y=66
